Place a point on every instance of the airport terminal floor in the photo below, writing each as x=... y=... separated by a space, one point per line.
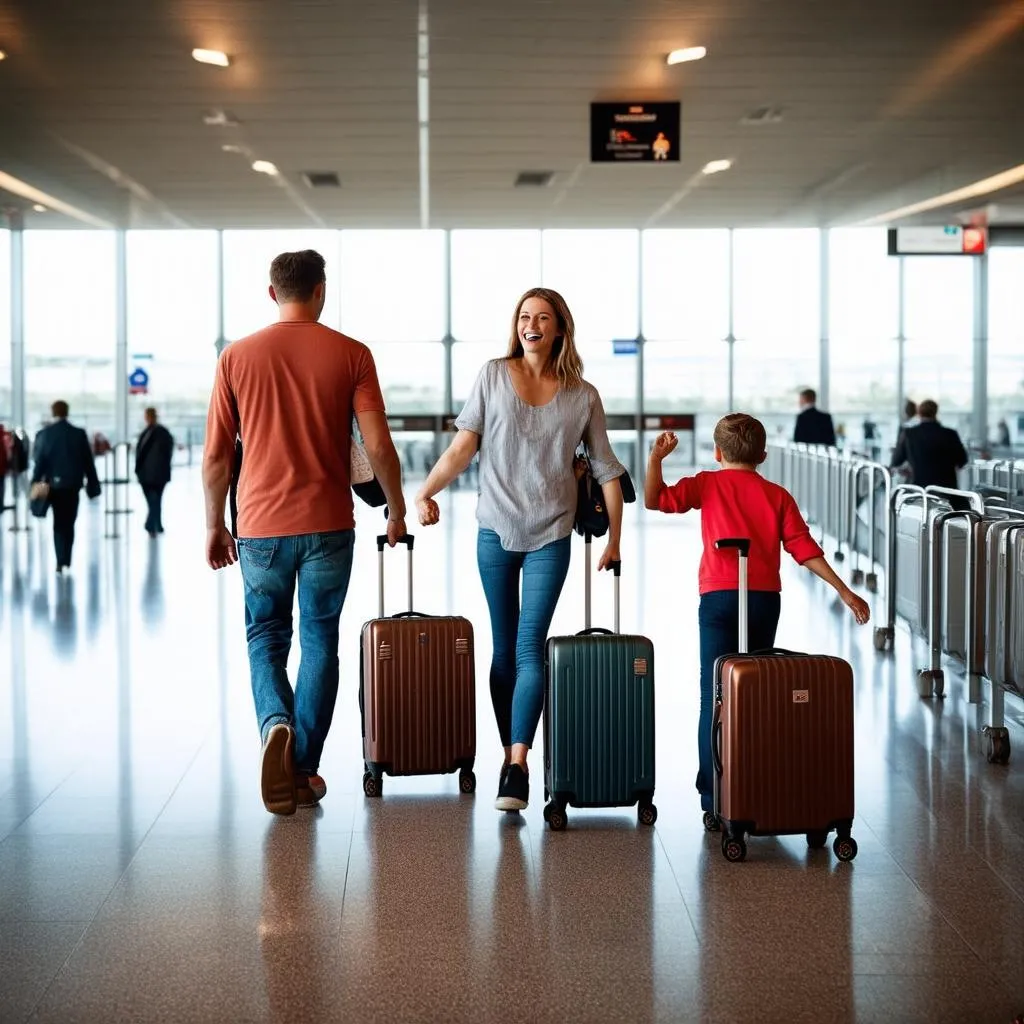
x=141 y=878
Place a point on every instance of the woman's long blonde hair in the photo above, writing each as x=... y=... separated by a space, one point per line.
x=565 y=361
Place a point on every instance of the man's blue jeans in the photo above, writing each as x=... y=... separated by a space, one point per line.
x=321 y=564
x=519 y=634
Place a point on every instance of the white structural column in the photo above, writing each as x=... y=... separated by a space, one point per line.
x=121 y=357
x=423 y=103
x=221 y=340
x=979 y=406
x=17 y=238
x=901 y=341
x=825 y=291
x=731 y=337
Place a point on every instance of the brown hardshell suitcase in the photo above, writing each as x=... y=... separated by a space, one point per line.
x=417 y=693
x=783 y=743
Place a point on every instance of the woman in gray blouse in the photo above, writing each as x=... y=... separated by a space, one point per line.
x=526 y=415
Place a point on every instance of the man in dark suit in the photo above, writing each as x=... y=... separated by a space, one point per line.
x=63 y=459
x=812 y=425
x=933 y=451
x=153 y=454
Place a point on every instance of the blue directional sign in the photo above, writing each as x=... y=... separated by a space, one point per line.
x=138 y=381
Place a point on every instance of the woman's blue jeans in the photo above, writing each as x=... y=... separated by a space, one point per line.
x=520 y=629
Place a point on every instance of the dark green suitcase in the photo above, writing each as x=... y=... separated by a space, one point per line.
x=599 y=720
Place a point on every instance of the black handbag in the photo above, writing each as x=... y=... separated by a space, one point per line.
x=591 y=514
x=39 y=499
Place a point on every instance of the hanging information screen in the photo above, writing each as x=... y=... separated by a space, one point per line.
x=945 y=240
x=634 y=131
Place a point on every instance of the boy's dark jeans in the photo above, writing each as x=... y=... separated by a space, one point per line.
x=719 y=635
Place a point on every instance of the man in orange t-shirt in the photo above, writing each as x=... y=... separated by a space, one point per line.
x=290 y=392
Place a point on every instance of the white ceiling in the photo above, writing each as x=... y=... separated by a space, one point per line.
x=885 y=103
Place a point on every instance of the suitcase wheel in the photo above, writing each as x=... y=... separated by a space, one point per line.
x=884 y=639
x=845 y=847
x=556 y=817
x=467 y=782
x=734 y=849
x=372 y=784
x=998 y=745
x=647 y=814
x=711 y=822
x=817 y=840
x=931 y=681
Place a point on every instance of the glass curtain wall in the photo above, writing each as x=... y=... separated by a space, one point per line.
x=939 y=317
x=777 y=300
x=173 y=320
x=412 y=294
x=1006 y=344
x=6 y=405
x=863 y=328
x=70 y=327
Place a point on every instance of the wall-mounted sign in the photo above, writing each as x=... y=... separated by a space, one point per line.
x=634 y=131
x=625 y=347
x=945 y=240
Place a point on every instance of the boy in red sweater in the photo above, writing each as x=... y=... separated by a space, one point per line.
x=736 y=501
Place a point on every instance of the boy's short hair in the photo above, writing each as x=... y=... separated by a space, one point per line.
x=741 y=439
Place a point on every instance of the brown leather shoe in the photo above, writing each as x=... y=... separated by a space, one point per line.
x=277 y=771
x=309 y=790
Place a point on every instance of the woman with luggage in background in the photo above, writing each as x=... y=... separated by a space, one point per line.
x=526 y=415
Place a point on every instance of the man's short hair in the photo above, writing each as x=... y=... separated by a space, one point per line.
x=809 y=395
x=909 y=410
x=60 y=410
x=295 y=275
x=928 y=409
x=741 y=439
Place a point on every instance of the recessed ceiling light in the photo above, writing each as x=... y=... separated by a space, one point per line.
x=211 y=57
x=39 y=208
x=264 y=167
x=230 y=147
x=220 y=119
x=716 y=166
x=3 y=56
x=687 y=54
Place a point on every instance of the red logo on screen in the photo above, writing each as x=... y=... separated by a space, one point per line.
x=975 y=240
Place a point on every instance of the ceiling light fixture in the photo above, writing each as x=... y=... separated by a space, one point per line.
x=1005 y=179
x=39 y=208
x=264 y=167
x=216 y=57
x=686 y=55
x=716 y=166
x=3 y=55
x=35 y=195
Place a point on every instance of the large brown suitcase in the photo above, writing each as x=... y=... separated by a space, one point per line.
x=417 y=693
x=783 y=743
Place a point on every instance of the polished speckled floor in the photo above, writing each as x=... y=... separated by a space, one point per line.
x=141 y=879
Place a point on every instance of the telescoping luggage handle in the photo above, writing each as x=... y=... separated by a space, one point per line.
x=617 y=572
x=382 y=543
x=742 y=546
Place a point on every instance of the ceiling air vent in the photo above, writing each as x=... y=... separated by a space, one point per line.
x=321 y=179
x=763 y=115
x=534 y=179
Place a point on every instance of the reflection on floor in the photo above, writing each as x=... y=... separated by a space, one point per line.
x=141 y=879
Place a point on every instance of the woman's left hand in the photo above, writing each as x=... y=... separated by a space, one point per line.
x=611 y=554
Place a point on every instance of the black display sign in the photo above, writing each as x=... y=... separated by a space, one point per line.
x=634 y=131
